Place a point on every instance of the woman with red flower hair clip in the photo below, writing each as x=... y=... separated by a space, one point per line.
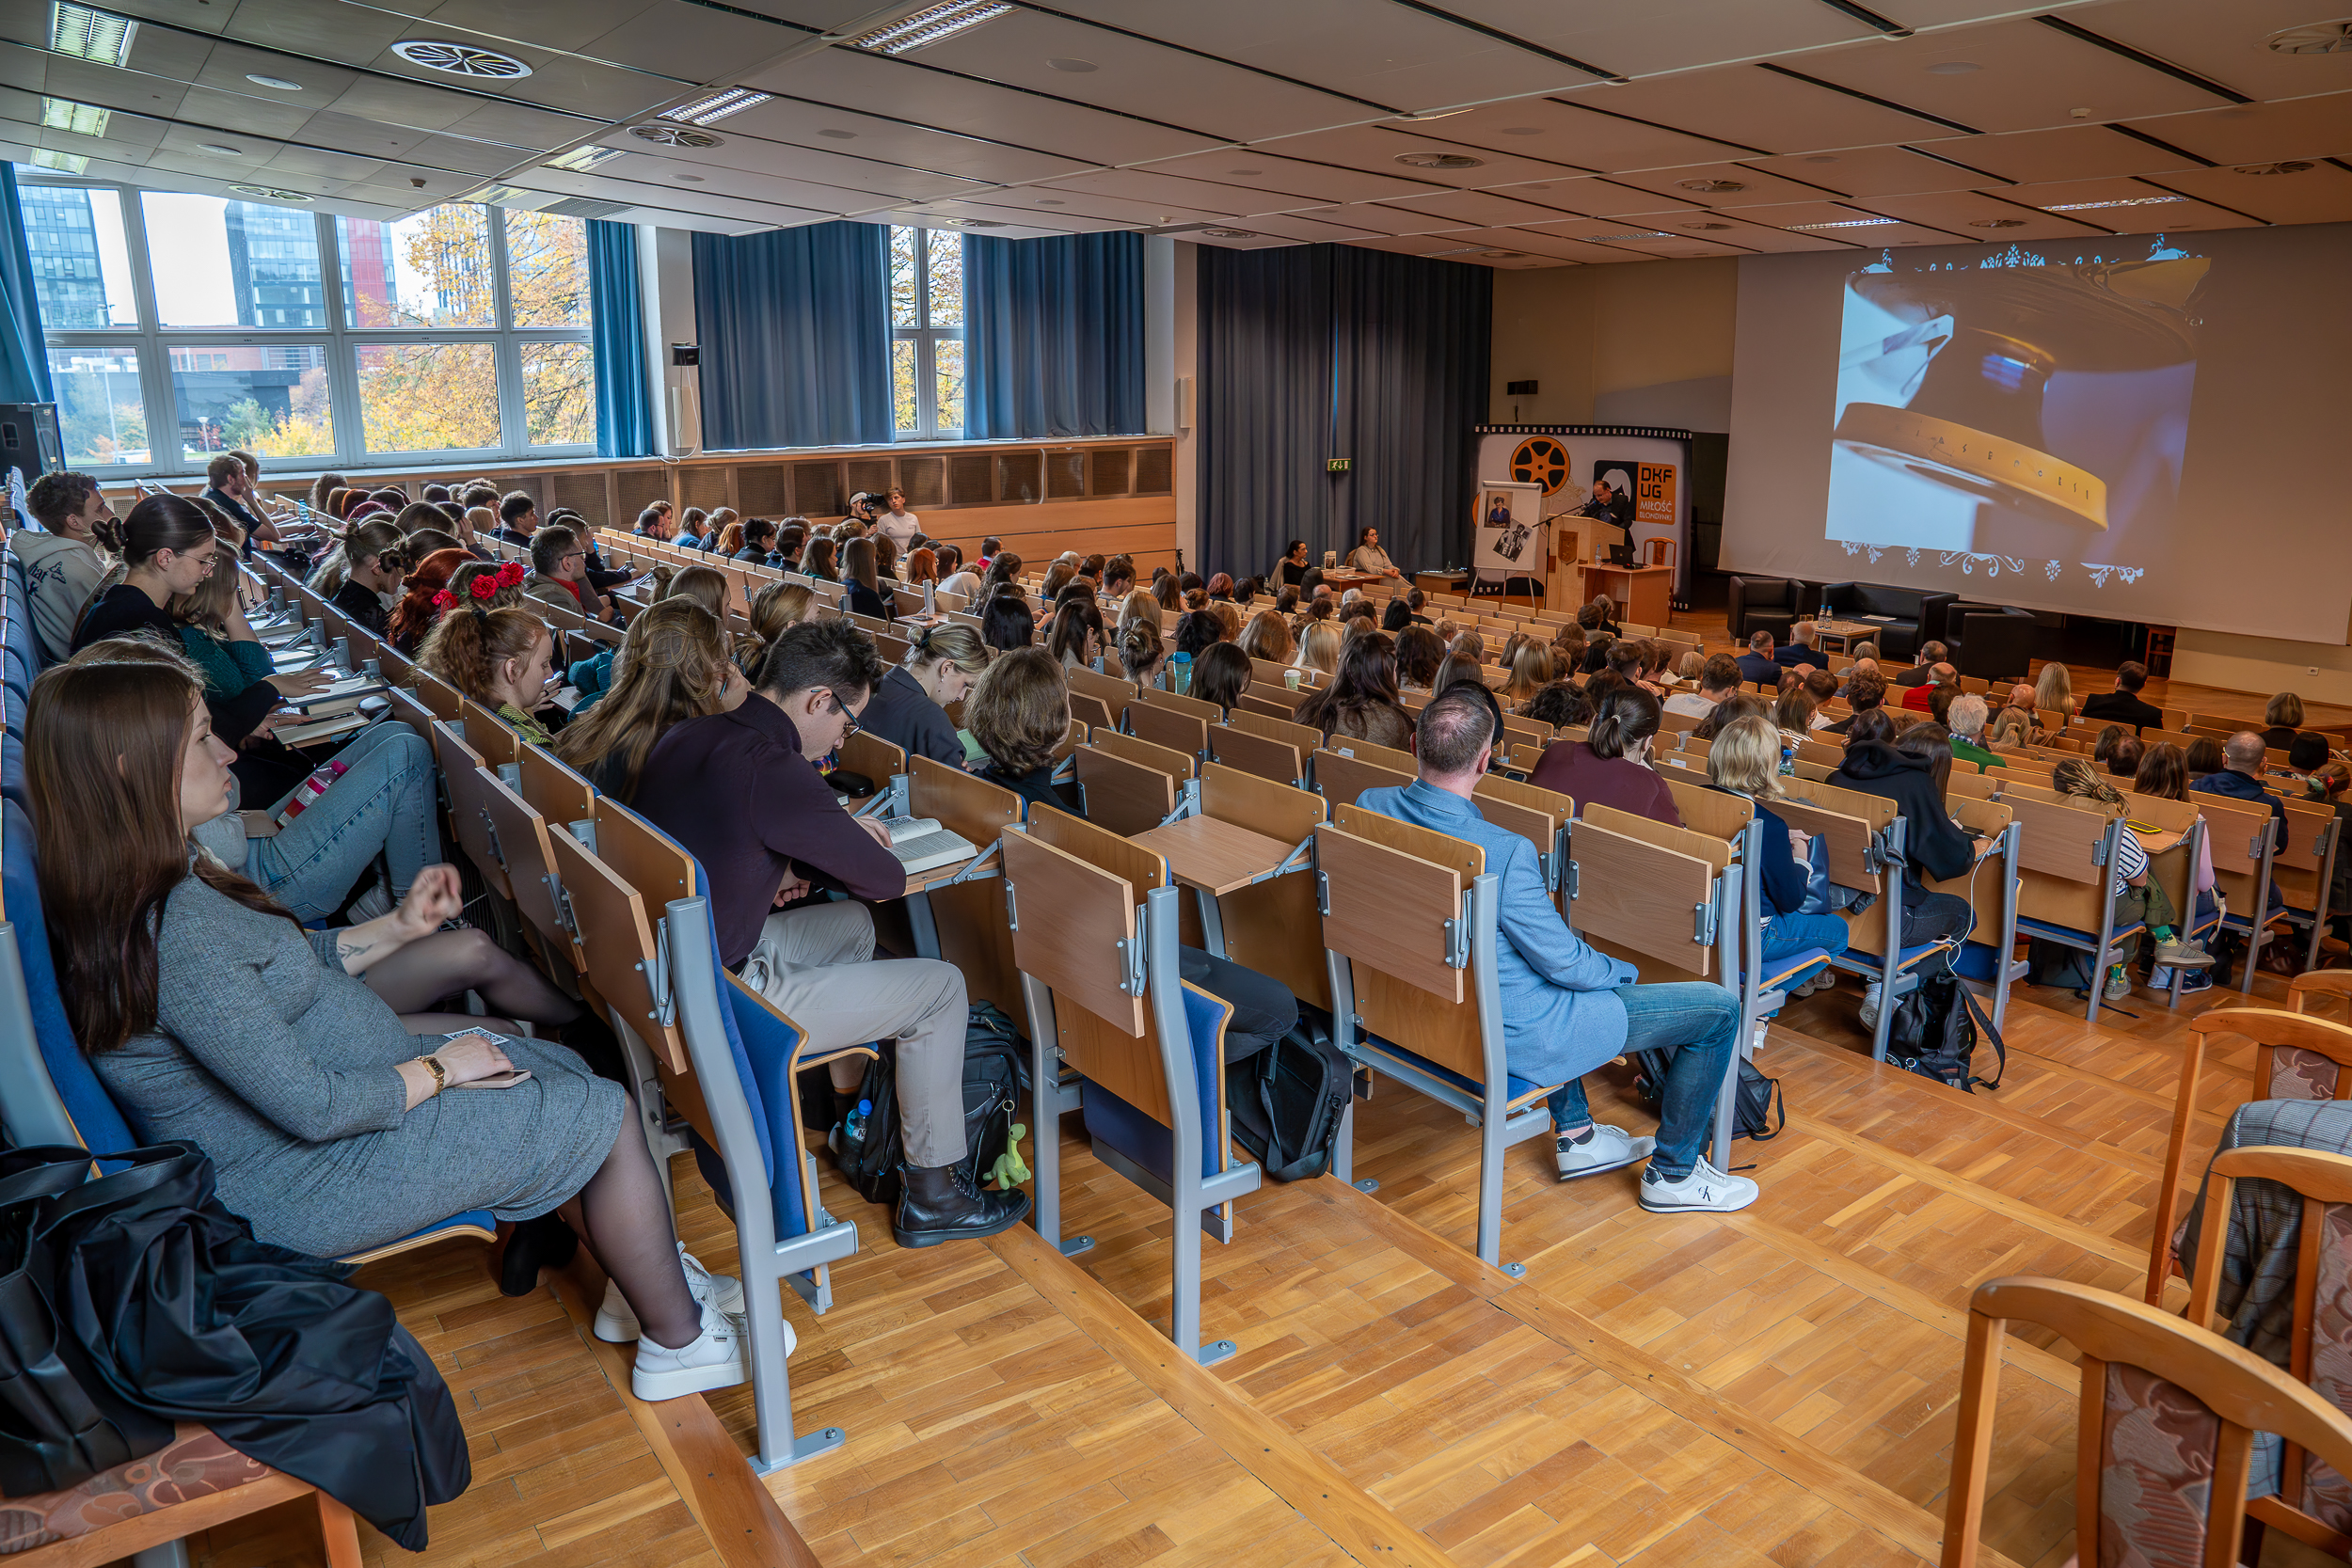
x=421 y=603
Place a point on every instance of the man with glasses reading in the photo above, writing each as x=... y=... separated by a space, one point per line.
x=740 y=790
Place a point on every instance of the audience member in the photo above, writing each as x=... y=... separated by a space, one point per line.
x=64 y=565
x=1931 y=654
x=1360 y=703
x=519 y=519
x=1222 y=674
x=1610 y=766
x=1865 y=689
x=167 y=546
x=1006 y=620
x=1076 y=636
x=1719 y=677
x=1757 y=663
x=1914 y=772
x=2240 y=779
x=1266 y=637
x=502 y=659
x=2284 y=714
x=673 y=664
x=1744 y=760
x=862 y=575
x=2204 y=757
x=559 y=573
x=1967 y=720
x=2124 y=762
x=1919 y=695
x=1142 y=654
x=1560 y=703
x=2124 y=705
x=2054 y=691
x=1801 y=654
x=1319 y=648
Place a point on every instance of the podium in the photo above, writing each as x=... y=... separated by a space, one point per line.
x=1643 y=594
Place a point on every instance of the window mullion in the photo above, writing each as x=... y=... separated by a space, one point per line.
x=157 y=393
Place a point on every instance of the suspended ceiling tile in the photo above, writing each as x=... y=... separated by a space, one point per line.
x=2074 y=152
x=1762 y=111
x=754 y=185
x=2228 y=42
x=1252 y=240
x=309 y=162
x=1291 y=226
x=1149 y=187
x=809 y=163
x=1577 y=133
x=402 y=100
x=1411 y=245
x=575 y=24
x=2152 y=206
x=1799 y=216
x=1728 y=228
x=468 y=157
x=1664 y=34
x=232 y=111
x=1611 y=230
x=1380 y=218
x=2321 y=193
x=228 y=65
x=87 y=83
x=1134 y=76
x=1112 y=209
x=1377 y=148
x=2027 y=75
x=1861 y=171
x=807 y=124
x=26 y=22
x=993 y=222
x=343 y=133
x=556 y=81
x=2261 y=133
x=1609 y=200
x=26 y=69
x=693 y=43
x=519 y=125
x=1531 y=242
x=1566 y=197
x=662 y=192
x=164 y=51
x=981 y=109
x=1293 y=181
x=1494 y=209
x=179 y=13
x=1756 y=185
x=1972 y=215
x=351 y=35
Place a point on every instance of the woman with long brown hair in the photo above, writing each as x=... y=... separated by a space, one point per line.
x=863 y=576
x=673 y=663
x=817 y=561
x=212 y=1016
x=1361 y=703
x=1266 y=636
x=774 y=608
x=165 y=548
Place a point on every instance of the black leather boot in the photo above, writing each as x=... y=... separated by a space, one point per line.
x=939 y=1203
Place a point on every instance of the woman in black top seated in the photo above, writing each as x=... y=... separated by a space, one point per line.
x=1005 y=621
x=167 y=546
x=866 y=596
x=1293 y=571
x=759 y=539
x=1019 y=712
x=1361 y=703
x=371 y=563
x=1220 y=676
x=1913 y=771
x=908 y=706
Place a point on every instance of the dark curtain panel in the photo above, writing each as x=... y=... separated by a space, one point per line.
x=617 y=339
x=24 y=352
x=1316 y=352
x=1052 y=336
x=795 y=329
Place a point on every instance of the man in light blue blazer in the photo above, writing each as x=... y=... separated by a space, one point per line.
x=1566 y=1007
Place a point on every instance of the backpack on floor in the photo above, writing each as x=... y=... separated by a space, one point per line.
x=995 y=1075
x=1286 y=1104
x=1934 y=1031
x=1753 y=1103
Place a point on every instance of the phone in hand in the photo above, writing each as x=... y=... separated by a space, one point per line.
x=496 y=1079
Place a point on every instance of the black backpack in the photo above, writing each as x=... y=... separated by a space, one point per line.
x=1753 y=1104
x=1934 y=1034
x=1286 y=1104
x=995 y=1076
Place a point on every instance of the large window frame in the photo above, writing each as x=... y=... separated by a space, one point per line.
x=923 y=340
x=153 y=346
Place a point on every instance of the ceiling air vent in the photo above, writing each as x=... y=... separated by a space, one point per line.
x=2319 y=37
x=1226 y=234
x=461 y=59
x=1440 y=160
x=585 y=207
x=2295 y=165
x=1714 y=187
x=271 y=192
x=675 y=135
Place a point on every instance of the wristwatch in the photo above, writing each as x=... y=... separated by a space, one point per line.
x=441 y=1074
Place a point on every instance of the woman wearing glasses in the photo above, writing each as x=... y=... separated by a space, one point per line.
x=167 y=546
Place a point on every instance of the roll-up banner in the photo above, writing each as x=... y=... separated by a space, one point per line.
x=1630 y=482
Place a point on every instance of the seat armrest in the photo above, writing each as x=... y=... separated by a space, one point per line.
x=258 y=824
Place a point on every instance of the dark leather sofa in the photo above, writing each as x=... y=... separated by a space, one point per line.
x=1765 y=604
x=1913 y=609
x=1991 y=642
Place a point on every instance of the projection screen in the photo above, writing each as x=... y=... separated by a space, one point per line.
x=2141 y=427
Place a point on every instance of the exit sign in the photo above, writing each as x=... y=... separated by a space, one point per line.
x=1337 y=465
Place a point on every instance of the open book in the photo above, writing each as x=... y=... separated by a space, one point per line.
x=922 y=844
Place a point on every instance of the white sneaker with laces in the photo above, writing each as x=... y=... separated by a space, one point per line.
x=616 y=1322
x=714 y=1361
x=1608 y=1148
x=1870 y=1004
x=1755 y=1047
x=1705 y=1190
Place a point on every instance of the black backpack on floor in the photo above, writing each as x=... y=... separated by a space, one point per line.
x=995 y=1076
x=1752 y=1105
x=1286 y=1103
x=1934 y=1034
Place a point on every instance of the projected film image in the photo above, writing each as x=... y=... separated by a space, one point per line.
x=2032 y=406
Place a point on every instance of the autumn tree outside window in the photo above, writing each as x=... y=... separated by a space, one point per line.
x=180 y=325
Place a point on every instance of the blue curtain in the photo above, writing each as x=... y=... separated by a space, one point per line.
x=617 y=303
x=1314 y=352
x=1052 y=336
x=795 y=329
x=24 y=352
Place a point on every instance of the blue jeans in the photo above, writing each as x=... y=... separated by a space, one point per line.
x=1702 y=1020
x=384 y=804
x=1788 y=934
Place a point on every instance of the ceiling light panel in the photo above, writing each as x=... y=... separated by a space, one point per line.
x=2029 y=76
x=64 y=163
x=87 y=33
x=82 y=120
x=931 y=25
x=713 y=107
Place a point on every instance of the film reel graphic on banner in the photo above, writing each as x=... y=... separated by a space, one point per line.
x=1541 y=460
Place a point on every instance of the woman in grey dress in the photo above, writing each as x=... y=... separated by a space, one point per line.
x=212 y=1017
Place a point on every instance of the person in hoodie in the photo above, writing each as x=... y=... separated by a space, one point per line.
x=64 y=565
x=1913 y=771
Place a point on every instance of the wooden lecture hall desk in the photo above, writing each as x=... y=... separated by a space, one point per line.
x=1643 y=594
x=1215 y=858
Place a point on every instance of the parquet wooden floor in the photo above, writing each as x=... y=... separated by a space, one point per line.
x=1775 y=1387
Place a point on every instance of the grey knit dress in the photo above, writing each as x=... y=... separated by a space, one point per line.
x=280 y=1067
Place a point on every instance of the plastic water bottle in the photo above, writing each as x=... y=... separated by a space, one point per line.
x=1788 y=761
x=1180 y=674
x=854 y=1129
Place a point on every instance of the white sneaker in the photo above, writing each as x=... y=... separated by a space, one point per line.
x=1755 y=1047
x=714 y=1360
x=1608 y=1148
x=616 y=1322
x=1870 y=1004
x=1703 y=1190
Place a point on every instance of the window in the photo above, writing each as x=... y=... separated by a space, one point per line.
x=309 y=339
x=927 y=333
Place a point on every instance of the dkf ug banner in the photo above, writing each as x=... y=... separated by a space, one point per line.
x=1627 y=484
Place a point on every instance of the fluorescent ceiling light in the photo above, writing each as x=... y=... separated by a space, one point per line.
x=579 y=160
x=83 y=119
x=2097 y=206
x=88 y=34
x=1848 y=223
x=1637 y=234
x=65 y=163
x=718 y=105
x=931 y=24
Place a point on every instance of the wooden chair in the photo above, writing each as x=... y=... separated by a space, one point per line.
x=2151 y=1385
x=1161 y=725
x=1340 y=777
x=488 y=734
x=2067 y=887
x=524 y=843
x=1270 y=920
x=2310 y=1504
x=1280 y=761
x=1130 y=785
x=1094 y=929
x=963 y=920
x=139 y=1510
x=2296 y=1056
x=2304 y=871
x=1411 y=937
x=461 y=768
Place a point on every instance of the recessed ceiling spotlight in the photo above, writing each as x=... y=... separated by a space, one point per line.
x=1846 y=223
x=1226 y=234
x=1713 y=187
x=839 y=136
x=83 y=119
x=2079 y=113
x=931 y=24
x=717 y=105
x=1996 y=223
x=1522 y=130
x=1081 y=67
x=222 y=148
x=1707 y=226
x=2319 y=37
x=675 y=135
x=89 y=34
x=1440 y=160
x=2099 y=206
x=461 y=59
x=276 y=83
x=688 y=178
x=271 y=192
x=1952 y=68
x=2293 y=166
